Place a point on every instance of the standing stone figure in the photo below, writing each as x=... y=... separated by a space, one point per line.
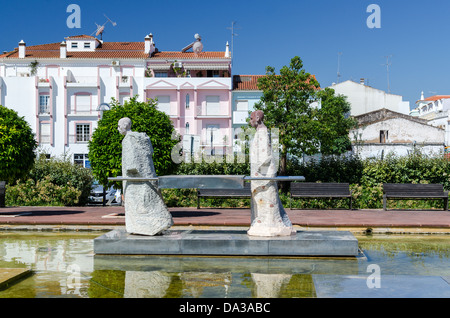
x=145 y=210
x=268 y=215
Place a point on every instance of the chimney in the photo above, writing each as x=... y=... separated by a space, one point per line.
x=362 y=81
x=227 y=50
x=22 y=47
x=149 y=45
x=63 y=50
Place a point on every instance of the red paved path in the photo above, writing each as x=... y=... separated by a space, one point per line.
x=95 y=215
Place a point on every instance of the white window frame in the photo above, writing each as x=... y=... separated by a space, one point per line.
x=81 y=159
x=164 y=103
x=240 y=103
x=45 y=132
x=44 y=104
x=212 y=105
x=83 y=134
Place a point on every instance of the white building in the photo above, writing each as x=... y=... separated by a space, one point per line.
x=60 y=88
x=435 y=109
x=364 y=99
x=383 y=131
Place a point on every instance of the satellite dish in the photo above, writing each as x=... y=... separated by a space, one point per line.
x=101 y=28
x=196 y=46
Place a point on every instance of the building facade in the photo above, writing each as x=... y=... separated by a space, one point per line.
x=62 y=88
x=245 y=95
x=435 y=109
x=364 y=99
x=384 y=131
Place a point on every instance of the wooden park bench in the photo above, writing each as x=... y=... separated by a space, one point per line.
x=405 y=191
x=321 y=190
x=224 y=193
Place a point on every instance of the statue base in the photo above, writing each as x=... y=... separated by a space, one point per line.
x=228 y=243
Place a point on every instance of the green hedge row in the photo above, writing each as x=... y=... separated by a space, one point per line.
x=364 y=176
x=60 y=182
x=55 y=182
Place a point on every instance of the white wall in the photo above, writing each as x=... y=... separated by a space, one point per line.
x=403 y=136
x=364 y=99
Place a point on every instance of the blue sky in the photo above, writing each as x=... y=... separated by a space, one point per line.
x=414 y=33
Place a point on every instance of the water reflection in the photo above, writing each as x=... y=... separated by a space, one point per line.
x=221 y=277
x=64 y=266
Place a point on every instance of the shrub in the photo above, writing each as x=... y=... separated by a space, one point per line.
x=55 y=181
x=42 y=193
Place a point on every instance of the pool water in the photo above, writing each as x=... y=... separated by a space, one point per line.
x=64 y=265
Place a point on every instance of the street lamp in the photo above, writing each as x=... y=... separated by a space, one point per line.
x=102 y=107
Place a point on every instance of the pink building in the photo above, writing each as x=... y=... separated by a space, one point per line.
x=60 y=87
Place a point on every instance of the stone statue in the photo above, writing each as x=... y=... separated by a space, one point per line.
x=268 y=215
x=145 y=210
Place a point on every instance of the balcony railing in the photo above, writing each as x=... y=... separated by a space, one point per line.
x=79 y=139
x=44 y=109
x=44 y=139
x=82 y=81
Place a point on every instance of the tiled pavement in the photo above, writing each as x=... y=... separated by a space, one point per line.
x=113 y=215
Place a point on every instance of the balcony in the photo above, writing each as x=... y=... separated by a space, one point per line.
x=125 y=81
x=79 y=139
x=44 y=110
x=82 y=81
x=43 y=82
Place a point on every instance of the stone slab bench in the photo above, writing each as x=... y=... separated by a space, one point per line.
x=312 y=190
x=405 y=191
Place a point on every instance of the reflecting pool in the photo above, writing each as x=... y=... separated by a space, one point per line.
x=64 y=265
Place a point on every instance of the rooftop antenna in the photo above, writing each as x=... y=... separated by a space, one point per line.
x=387 y=71
x=232 y=28
x=339 y=64
x=101 y=28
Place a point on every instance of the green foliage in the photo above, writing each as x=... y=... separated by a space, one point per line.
x=304 y=128
x=55 y=181
x=328 y=169
x=214 y=168
x=286 y=105
x=17 y=145
x=335 y=123
x=41 y=193
x=415 y=168
x=365 y=177
x=105 y=147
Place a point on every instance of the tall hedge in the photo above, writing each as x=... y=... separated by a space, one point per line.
x=17 y=146
x=105 y=147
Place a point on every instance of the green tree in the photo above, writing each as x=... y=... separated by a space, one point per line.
x=334 y=122
x=105 y=147
x=286 y=103
x=17 y=145
x=304 y=127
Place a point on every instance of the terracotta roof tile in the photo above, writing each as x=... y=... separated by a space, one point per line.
x=437 y=97
x=122 y=50
x=246 y=82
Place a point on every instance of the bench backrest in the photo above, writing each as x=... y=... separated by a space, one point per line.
x=409 y=188
x=310 y=188
x=244 y=191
